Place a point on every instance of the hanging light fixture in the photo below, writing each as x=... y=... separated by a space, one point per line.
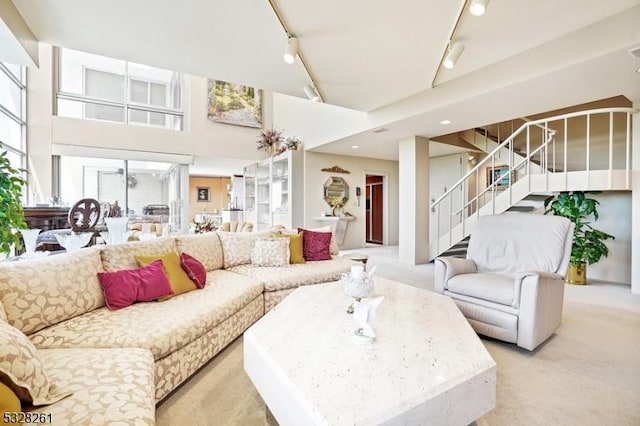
x=291 y=50
x=453 y=55
x=311 y=92
x=478 y=7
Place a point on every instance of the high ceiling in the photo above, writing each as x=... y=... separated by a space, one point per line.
x=521 y=57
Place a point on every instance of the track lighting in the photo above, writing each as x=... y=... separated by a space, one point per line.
x=478 y=7
x=453 y=55
x=311 y=92
x=291 y=50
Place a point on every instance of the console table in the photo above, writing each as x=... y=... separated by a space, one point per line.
x=338 y=225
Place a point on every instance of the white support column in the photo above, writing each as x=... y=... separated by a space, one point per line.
x=413 y=227
x=635 y=202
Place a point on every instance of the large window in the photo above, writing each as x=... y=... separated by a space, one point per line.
x=12 y=113
x=99 y=88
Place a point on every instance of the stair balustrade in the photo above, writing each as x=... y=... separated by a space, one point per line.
x=579 y=151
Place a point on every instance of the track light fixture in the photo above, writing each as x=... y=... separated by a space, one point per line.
x=453 y=54
x=478 y=7
x=291 y=50
x=311 y=92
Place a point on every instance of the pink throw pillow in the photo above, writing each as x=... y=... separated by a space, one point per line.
x=125 y=287
x=194 y=269
x=315 y=245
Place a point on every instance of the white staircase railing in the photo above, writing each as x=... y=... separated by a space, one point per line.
x=586 y=150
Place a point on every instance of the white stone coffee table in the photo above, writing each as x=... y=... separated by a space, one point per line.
x=427 y=366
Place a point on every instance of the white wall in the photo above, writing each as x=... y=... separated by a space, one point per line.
x=315 y=123
x=201 y=137
x=615 y=219
x=359 y=167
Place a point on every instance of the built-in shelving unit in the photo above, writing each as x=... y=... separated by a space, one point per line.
x=275 y=183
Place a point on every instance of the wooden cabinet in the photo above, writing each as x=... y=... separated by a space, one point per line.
x=274 y=189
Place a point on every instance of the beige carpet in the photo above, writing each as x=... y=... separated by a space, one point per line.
x=587 y=374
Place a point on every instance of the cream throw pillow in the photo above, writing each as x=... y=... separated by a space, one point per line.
x=21 y=369
x=270 y=251
x=236 y=246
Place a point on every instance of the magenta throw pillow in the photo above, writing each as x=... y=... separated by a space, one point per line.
x=315 y=245
x=194 y=269
x=125 y=287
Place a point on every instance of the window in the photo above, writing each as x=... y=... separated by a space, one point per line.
x=12 y=113
x=99 y=88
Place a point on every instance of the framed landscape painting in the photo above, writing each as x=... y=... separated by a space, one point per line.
x=234 y=104
x=499 y=172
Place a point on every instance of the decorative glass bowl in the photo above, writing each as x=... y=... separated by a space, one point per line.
x=73 y=242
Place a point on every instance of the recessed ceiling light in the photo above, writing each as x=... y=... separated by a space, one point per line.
x=445 y=122
x=355 y=146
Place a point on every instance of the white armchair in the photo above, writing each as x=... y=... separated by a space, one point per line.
x=511 y=285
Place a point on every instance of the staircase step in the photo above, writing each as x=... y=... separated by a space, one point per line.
x=521 y=209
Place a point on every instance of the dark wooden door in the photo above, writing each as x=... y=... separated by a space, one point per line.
x=376 y=214
x=374 y=209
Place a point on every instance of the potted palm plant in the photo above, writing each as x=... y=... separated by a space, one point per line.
x=588 y=243
x=11 y=212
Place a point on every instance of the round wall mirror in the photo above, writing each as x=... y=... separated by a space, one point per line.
x=336 y=188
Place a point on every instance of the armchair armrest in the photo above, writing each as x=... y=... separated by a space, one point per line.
x=540 y=296
x=447 y=267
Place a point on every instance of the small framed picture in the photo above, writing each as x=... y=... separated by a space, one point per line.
x=203 y=193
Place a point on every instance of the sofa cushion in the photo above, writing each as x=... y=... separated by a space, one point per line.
x=178 y=278
x=22 y=370
x=315 y=245
x=236 y=246
x=122 y=256
x=498 y=288
x=296 y=247
x=204 y=247
x=124 y=288
x=294 y=275
x=41 y=292
x=269 y=251
x=153 y=325
x=9 y=401
x=110 y=386
x=194 y=269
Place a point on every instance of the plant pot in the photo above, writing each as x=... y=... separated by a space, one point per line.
x=577 y=274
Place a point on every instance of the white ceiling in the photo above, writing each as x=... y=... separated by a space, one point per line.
x=521 y=58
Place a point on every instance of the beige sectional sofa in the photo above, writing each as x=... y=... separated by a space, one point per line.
x=119 y=364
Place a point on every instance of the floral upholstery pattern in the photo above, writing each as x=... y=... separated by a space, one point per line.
x=178 y=366
x=236 y=246
x=153 y=325
x=269 y=251
x=272 y=298
x=22 y=370
x=204 y=247
x=294 y=275
x=41 y=292
x=110 y=386
x=121 y=256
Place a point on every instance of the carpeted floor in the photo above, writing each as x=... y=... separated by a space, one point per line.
x=587 y=374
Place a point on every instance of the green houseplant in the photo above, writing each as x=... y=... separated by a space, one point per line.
x=11 y=213
x=588 y=243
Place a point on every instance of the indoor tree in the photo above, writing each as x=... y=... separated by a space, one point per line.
x=11 y=212
x=588 y=245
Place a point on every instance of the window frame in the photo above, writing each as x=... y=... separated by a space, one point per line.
x=21 y=121
x=126 y=104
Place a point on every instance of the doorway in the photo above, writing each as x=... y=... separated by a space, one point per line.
x=374 y=211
